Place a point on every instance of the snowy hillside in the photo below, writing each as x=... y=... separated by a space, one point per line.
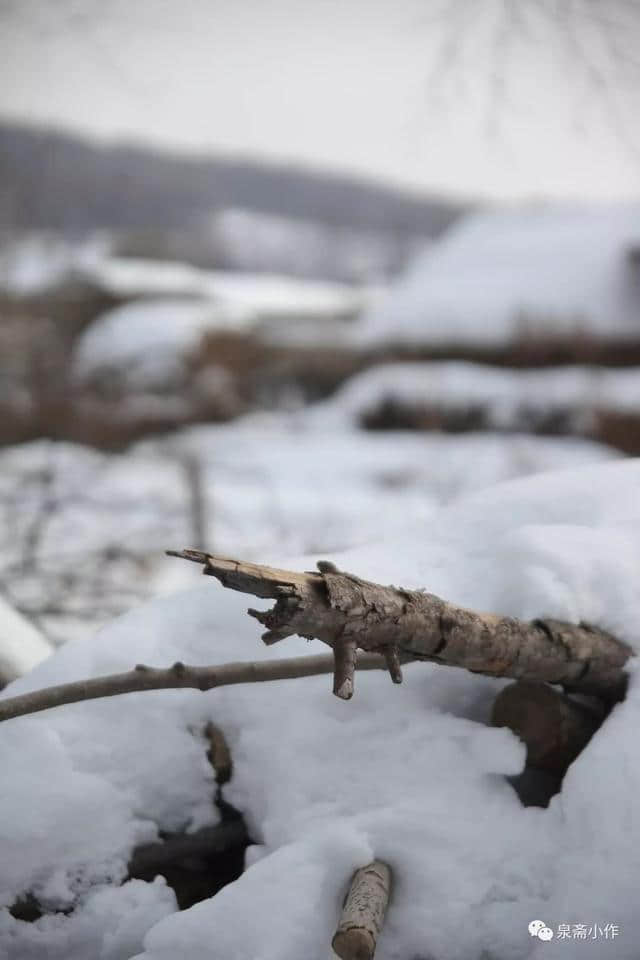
x=410 y=774
x=498 y=276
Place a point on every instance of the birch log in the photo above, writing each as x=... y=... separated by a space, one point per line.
x=363 y=913
x=345 y=611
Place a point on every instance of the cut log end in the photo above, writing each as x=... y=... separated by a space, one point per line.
x=356 y=944
x=363 y=913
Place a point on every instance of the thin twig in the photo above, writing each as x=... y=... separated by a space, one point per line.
x=178 y=676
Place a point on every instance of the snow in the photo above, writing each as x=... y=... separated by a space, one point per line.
x=38 y=261
x=111 y=925
x=254 y=293
x=500 y=275
x=507 y=396
x=22 y=646
x=251 y=240
x=84 y=532
x=146 y=341
x=410 y=774
x=171 y=305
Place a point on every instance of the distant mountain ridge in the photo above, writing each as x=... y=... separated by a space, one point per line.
x=51 y=179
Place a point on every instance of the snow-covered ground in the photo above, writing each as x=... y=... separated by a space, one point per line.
x=83 y=533
x=505 y=395
x=409 y=774
x=501 y=275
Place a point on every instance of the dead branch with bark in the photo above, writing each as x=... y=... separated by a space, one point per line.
x=347 y=613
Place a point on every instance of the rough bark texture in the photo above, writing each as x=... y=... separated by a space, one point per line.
x=363 y=913
x=554 y=727
x=341 y=609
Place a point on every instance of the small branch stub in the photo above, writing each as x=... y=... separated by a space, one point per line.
x=363 y=913
x=344 y=655
x=218 y=754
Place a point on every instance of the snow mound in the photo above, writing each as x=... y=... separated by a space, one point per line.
x=410 y=774
x=499 y=275
x=174 y=304
x=22 y=646
x=146 y=340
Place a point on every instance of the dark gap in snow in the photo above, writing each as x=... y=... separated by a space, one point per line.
x=26 y=908
x=214 y=858
x=195 y=865
x=536 y=787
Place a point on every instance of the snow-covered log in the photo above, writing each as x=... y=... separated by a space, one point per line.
x=347 y=612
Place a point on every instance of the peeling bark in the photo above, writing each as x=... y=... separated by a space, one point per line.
x=342 y=609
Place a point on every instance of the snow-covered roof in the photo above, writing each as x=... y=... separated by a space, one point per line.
x=256 y=292
x=496 y=276
x=173 y=304
x=146 y=339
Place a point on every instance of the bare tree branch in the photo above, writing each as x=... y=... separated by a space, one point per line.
x=178 y=676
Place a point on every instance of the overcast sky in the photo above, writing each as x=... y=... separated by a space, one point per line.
x=489 y=97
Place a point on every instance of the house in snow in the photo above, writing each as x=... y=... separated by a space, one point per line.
x=502 y=276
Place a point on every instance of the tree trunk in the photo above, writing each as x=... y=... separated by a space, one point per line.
x=346 y=612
